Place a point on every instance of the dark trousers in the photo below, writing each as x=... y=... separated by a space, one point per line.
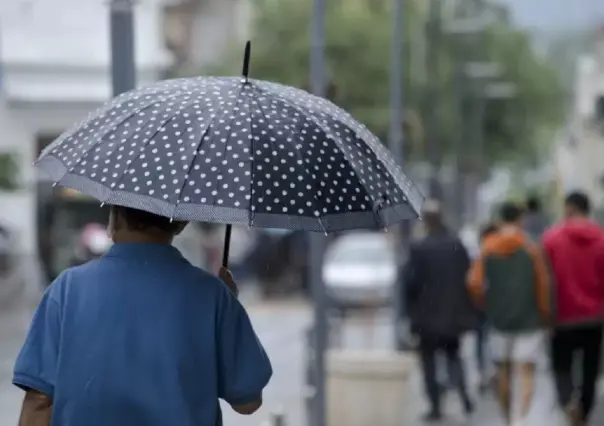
x=587 y=343
x=429 y=348
x=481 y=342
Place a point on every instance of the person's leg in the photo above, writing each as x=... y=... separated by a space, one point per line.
x=500 y=347
x=527 y=351
x=456 y=372
x=428 y=351
x=561 y=351
x=591 y=345
x=480 y=352
x=527 y=383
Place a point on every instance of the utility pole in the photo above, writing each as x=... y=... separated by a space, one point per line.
x=433 y=35
x=396 y=142
x=317 y=240
x=123 y=68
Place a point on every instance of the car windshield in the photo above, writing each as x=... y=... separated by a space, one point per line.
x=373 y=253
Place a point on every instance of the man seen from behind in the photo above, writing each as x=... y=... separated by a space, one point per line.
x=575 y=249
x=139 y=337
x=439 y=307
x=509 y=280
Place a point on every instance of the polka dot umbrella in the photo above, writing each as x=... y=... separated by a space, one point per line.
x=234 y=150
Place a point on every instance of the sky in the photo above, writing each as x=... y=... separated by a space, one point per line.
x=550 y=15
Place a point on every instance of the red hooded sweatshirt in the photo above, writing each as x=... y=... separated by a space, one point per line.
x=575 y=249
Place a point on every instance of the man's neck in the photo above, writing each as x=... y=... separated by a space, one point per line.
x=141 y=238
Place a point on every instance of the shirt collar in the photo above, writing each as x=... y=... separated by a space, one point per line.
x=144 y=251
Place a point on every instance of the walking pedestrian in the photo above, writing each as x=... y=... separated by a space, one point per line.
x=140 y=337
x=440 y=310
x=575 y=249
x=509 y=280
x=535 y=222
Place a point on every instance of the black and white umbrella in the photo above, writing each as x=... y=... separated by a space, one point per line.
x=234 y=150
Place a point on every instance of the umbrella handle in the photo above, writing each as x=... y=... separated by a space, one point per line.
x=227 y=246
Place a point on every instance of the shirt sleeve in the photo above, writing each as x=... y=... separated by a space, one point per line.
x=244 y=368
x=412 y=279
x=36 y=365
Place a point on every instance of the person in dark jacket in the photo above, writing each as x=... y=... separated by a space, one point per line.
x=575 y=249
x=510 y=281
x=438 y=305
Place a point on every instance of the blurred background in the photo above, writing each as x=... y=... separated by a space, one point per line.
x=499 y=99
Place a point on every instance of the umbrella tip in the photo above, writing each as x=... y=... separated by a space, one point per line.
x=246 y=60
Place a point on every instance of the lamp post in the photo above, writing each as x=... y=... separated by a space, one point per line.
x=319 y=335
x=123 y=68
x=396 y=142
x=433 y=35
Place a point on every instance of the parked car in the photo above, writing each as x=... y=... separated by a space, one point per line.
x=360 y=271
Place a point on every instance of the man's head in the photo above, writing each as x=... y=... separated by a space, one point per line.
x=432 y=214
x=577 y=204
x=511 y=213
x=131 y=225
x=533 y=204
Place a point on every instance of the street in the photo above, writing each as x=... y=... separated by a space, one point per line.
x=281 y=326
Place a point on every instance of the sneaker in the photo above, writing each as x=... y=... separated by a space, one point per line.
x=468 y=407
x=432 y=417
x=574 y=415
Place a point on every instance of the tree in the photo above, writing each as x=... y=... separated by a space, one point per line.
x=358 y=34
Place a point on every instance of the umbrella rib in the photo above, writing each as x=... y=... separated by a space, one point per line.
x=113 y=127
x=317 y=201
x=328 y=135
x=338 y=141
x=146 y=143
x=192 y=164
x=226 y=144
x=251 y=213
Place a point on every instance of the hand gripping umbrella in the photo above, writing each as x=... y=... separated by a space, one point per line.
x=234 y=150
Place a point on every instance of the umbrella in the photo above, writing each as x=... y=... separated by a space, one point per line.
x=234 y=150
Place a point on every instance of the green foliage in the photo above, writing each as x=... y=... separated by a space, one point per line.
x=9 y=172
x=358 y=34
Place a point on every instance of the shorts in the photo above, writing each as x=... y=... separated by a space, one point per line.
x=516 y=347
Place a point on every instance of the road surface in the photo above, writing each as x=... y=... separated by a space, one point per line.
x=281 y=326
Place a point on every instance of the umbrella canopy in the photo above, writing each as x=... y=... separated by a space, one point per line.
x=237 y=151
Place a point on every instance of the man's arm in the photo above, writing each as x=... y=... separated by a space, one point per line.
x=542 y=286
x=36 y=365
x=244 y=368
x=36 y=409
x=475 y=280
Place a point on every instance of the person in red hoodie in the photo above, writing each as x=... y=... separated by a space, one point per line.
x=575 y=249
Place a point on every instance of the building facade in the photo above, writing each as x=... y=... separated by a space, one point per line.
x=579 y=154
x=55 y=68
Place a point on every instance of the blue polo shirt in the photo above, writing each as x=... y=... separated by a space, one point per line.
x=141 y=338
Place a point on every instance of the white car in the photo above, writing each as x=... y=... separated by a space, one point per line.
x=360 y=270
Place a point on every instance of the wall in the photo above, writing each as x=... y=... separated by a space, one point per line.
x=17 y=209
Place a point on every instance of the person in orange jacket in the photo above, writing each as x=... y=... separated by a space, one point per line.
x=509 y=280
